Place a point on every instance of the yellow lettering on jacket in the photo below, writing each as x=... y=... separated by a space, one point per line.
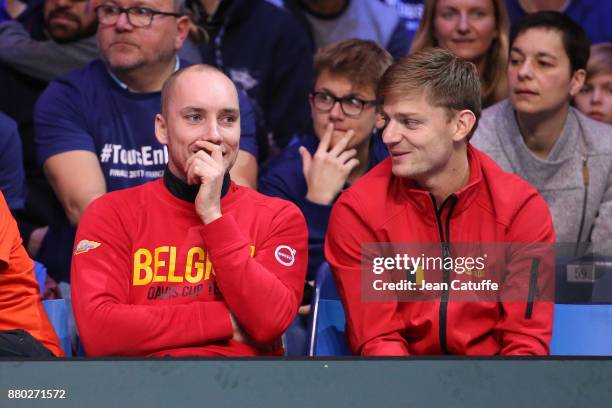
x=149 y=267
x=197 y=264
x=142 y=265
x=159 y=263
x=171 y=277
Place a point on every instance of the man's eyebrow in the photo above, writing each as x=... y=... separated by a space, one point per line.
x=192 y=109
x=401 y=115
x=230 y=111
x=539 y=54
x=198 y=109
x=546 y=55
x=350 y=95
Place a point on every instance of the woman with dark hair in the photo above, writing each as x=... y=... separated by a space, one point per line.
x=536 y=134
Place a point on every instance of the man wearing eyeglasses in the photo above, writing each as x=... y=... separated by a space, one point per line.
x=314 y=168
x=94 y=127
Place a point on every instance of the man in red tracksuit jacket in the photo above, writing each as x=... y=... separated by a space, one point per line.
x=191 y=264
x=435 y=187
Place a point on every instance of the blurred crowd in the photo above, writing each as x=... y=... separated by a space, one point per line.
x=81 y=82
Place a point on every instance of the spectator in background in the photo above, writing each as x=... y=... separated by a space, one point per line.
x=25 y=330
x=536 y=134
x=595 y=97
x=330 y=21
x=267 y=53
x=342 y=145
x=475 y=30
x=29 y=58
x=95 y=126
x=12 y=178
x=70 y=27
x=593 y=15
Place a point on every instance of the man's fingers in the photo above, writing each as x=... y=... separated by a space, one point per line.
x=351 y=164
x=214 y=150
x=339 y=148
x=326 y=139
x=304 y=310
x=201 y=168
x=218 y=157
x=347 y=155
x=306 y=159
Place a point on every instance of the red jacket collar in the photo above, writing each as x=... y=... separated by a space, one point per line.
x=422 y=200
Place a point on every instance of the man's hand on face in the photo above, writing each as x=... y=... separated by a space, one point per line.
x=326 y=172
x=206 y=168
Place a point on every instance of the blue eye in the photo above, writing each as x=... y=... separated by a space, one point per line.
x=193 y=117
x=448 y=14
x=229 y=119
x=478 y=13
x=141 y=11
x=411 y=123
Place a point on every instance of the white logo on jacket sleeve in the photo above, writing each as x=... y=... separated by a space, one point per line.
x=85 y=245
x=285 y=255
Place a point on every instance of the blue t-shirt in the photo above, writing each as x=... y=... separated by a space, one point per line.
x=593 y=15
x=89 y=110
x=411 y=12
x=12 y=176
x=4 y=15
x=284 y=178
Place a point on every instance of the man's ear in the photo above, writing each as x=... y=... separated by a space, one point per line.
x=464 y=123
x=161 y=130
x=577 y=82
x=380 y=121
x=182 y=30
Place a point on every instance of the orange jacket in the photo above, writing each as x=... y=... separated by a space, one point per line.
x=20 y=301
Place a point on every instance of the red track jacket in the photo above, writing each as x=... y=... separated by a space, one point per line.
x=494 y=206
x=150 y=279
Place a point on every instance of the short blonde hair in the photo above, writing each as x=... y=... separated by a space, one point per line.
x=446 y=80
x=493 y=79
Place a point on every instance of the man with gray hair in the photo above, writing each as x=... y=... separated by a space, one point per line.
x=94 y=127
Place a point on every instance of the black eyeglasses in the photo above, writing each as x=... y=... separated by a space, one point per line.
x=350 y=105
x=141 y=17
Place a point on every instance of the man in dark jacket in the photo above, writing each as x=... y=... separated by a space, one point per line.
x=267 y=53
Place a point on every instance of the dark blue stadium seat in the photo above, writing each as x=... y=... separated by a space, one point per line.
x=582 y=330
x=58 y=316
x=326 y=328
x=40 y=273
